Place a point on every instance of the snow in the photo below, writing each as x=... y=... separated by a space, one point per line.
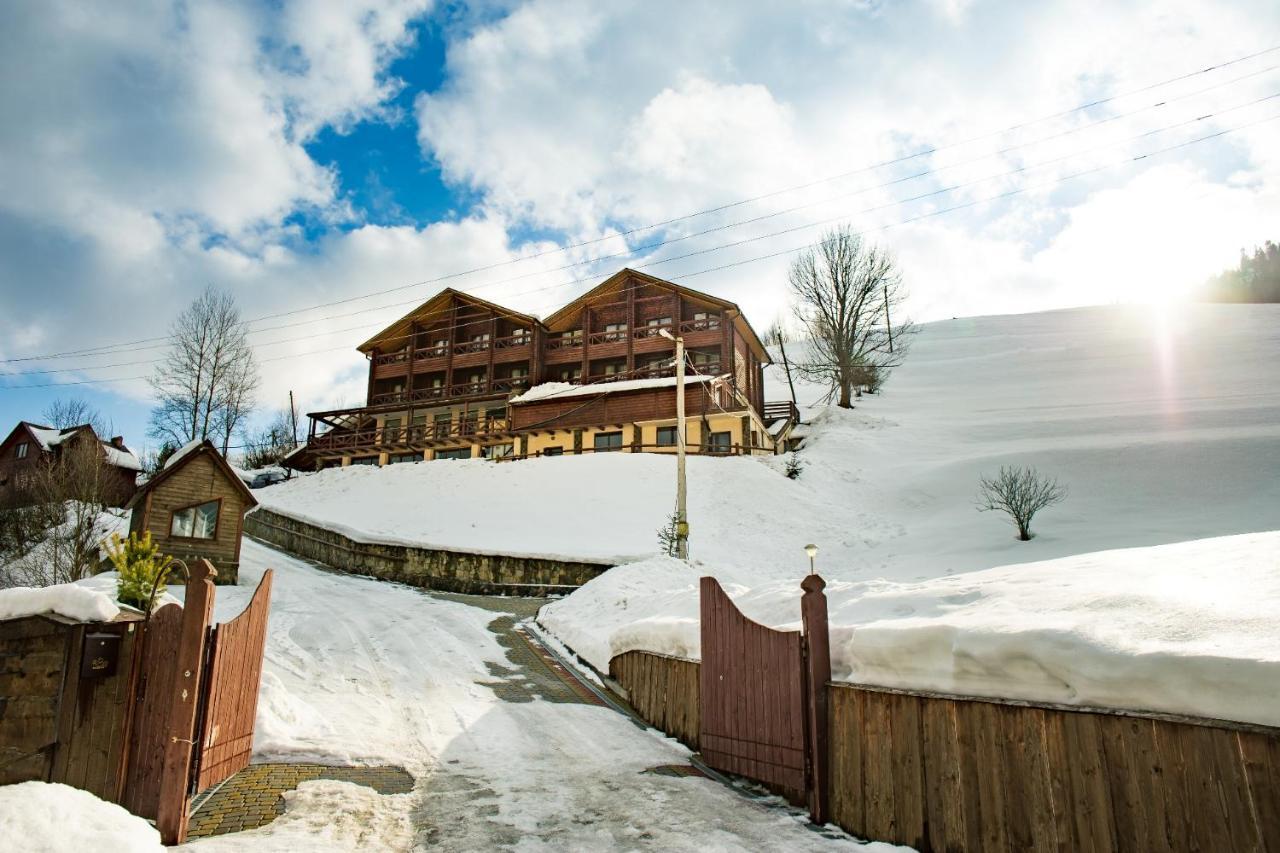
x=70 y=600
x=569 y=389
x=1185 y=628
x=368 y=672
x=39 y=817
x=48 y=438
x=121 y=458
x=182 y=451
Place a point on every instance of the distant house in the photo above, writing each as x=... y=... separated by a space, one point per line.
x=459 y=377
x=31 y=445
x=195 y=508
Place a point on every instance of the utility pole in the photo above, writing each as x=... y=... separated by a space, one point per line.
x=682 y=517
x=888 y=326
x=293 y=418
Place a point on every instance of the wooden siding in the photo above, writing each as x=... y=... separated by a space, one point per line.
x=941 y=773
x=663 y=691
x=199 y=480
x=32 y=657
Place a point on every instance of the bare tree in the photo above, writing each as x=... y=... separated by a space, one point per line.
x=70 y=495
x=205 y=385
x=269 y=445
x=845 y=289
x=1020 y=492
x=67 y=412
x=777 y=336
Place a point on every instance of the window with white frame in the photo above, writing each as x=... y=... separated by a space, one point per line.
x=195 y=522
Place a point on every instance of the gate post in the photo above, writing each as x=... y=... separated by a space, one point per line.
x=180 y=734
x=813 y=613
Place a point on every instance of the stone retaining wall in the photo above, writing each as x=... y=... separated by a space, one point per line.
x=453 y=571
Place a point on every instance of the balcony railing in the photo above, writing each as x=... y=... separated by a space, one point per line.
x=461 y=348
x=418 y=434
x=501 y=385
x=564 y=343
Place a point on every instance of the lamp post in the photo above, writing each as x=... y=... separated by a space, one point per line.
x=812 y=551
x=682 y=518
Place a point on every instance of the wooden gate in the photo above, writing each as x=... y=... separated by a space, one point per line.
x=195 y=695
x=230 y=703
x=762 y=696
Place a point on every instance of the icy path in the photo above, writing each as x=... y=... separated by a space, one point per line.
x=363 y=671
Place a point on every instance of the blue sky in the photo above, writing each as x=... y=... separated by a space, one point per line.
x=298 y=153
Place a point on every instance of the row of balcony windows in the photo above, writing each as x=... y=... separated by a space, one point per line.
x=612 y=333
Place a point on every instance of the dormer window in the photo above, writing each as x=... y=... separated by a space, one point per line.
x=21 y=450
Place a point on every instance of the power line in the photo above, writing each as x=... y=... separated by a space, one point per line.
x=104 y=349
x=733 y=264
x=732 y=244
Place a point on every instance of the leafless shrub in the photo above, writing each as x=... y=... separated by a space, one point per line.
x=1020 y=492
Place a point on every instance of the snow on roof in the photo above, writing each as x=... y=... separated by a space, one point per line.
x=182 y=451
x=65 y=599
x=121 y=458
x=49 y=438
x=569 y=389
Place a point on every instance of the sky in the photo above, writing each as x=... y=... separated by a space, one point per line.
x=333 y=164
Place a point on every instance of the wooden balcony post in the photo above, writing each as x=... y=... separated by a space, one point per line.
x=813 y=613
x=373 y=366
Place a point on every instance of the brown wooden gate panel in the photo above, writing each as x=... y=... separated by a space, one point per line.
x=157 y=672
x=231 y=699
x=752 y=696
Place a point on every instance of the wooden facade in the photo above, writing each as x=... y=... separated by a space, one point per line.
x=200 y=477
x=445 y=379
x=29 y=446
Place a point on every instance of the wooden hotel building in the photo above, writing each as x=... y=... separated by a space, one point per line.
x=459 y=377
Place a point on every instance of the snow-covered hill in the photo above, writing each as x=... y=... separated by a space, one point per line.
x=1164 y=425
x=1165 y=428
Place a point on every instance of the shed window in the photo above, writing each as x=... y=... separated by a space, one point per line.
x=667 y=436
x=195 y=522
x=22 y=450
x=553 y=451
x=720 y=442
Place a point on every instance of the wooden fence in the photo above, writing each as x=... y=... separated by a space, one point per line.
x=663 y=691
x=953 y=773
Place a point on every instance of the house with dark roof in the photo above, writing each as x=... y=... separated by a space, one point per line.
x=461 y=377
x=30 y=445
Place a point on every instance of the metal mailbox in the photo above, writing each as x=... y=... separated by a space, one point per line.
x=100 y=656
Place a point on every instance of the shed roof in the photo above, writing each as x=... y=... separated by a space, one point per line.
x=184 y=458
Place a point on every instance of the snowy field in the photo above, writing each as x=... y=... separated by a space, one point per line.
x=1163 y=423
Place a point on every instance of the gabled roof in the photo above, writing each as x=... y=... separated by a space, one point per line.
x=619 y=279
x=50 y=438
x=182 y=458
x=396 y=333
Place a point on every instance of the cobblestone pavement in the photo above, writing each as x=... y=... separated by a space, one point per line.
x=252 y=797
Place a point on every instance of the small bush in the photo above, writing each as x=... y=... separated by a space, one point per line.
x=794 y=466
x=143 y=569
x=1019 y=493
x=668 y=538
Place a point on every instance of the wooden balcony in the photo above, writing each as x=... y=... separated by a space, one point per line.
x=459 y=391
x=464 y=354
x=417 y=437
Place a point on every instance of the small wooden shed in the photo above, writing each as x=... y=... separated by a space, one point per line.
x=195 y=508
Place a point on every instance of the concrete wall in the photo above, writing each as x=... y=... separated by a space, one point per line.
x=433 y=569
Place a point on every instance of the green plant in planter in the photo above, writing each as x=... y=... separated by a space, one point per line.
x=143 y=569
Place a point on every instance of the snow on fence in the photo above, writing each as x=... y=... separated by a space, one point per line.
x=957 y=773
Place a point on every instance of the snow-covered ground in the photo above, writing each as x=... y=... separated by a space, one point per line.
x=362 y=671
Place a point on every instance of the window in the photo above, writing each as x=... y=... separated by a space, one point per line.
x=655 y=365
x=573 y=336
x=365 y=460
x=658 y=321
x=441 y=425
x=454 y=453
x=704 y=357
x=652 y=325
x=519 y=372
x=605 y=441
x=519 y=336
x=570 y=374
x=667 y=436
x=615 y=331
x=553 y=451
x=719 y=442
x=391 y=430
x=404 y=457
x=195 y=522
x=21 y=450
x=498 y=451
x=613 y=368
